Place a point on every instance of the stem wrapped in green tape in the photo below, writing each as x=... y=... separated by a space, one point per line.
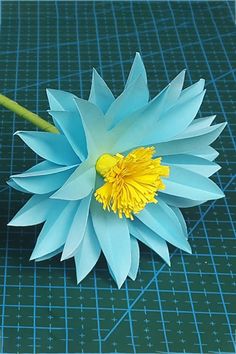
x=26 y=114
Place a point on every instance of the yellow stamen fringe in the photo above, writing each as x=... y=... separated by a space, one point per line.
x=131 y=181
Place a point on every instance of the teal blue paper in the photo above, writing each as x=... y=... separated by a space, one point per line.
x=150 y=239
x=88 y=253
x=135 y=255
x=100 y=94
x=161 y=219
x=63 y=185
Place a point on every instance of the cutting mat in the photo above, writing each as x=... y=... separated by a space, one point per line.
x=190 y=307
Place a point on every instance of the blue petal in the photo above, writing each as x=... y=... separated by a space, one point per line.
x=162 y=220
x=44 y=181
x=55 y=230
x=179 y=202
x=77 y=229
x=181 y=220
x=136 y=70
x=187 y=184
x=191 y=145
x=134 y=97
x=87 y=254
x=34 y=212
x=60 y=101
x=100 y=94
x=14 y=185
x=130 y=132
x=134 y=258
x=94 y=128
x=150 y=238
x=52 y=147
x=193 y=90
x=207 y=153
x=49 y=255
x=190 y=132
x=79 y=185
x=193 y=163
x=174 y=121
x=174 y=90
x=114 y=238
x=71 y=126
x=199 y=123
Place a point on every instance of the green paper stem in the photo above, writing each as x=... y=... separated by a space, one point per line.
x=26 y=114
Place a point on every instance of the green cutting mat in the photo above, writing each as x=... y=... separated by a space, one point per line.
x=190 y=307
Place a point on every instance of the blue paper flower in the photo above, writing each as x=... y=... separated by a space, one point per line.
x=118 y=172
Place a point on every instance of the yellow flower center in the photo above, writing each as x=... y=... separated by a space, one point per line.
x=131 y=181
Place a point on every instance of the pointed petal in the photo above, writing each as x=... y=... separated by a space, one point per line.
x=49 y=255
x=88 y=253
x=150 y=238
x=52 y=147
x=14 y=185
x=61 y=100
x=79 y=184
x=113 y=236
x=174 y=90
x=55 y=230
x=193 y=90
x=193 y=163
x=71 y=126
x=134 y=97
x=181 y=220
x=179 y=202
x=77 y=229
x=34 y=212
x=188 y=184
x=100 y=94
x=174 y=121
x=207 y=153
x=136 y=70
x=45 y=181
x=130 y=132
x=162 y=220
x=192 y=133
x=191 y=144
x=199 y=123
x=94 y=126
x=134 y=258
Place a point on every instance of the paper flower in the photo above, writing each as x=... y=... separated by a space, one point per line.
x=118 y=172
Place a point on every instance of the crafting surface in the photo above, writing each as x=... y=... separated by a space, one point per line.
x=189 y=307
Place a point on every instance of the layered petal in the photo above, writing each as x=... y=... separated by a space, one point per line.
x=34 y=212
x=193 y=163
x=79 y=184
x=187 y=184
x=77 y=229
x=55 y=230
x=71 y=126
x=135 y=254
x=94 y=127
x=150 y=239
x=88 y=253
x=43 y=179
x=161 y=219
x=52 y=147
x=175 y=120
x=134 y=97
x=100 y=94
x=191 y=143
x=179 y=202
x=114 y=239
x=137 y=69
